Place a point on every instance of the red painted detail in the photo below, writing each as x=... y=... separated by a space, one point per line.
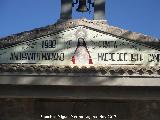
x=73 y=60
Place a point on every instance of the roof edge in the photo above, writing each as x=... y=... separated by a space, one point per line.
x=62 y=25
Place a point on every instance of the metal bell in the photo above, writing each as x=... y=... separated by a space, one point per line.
x=82 y=7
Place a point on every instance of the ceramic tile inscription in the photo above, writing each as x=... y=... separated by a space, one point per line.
x=80 y=46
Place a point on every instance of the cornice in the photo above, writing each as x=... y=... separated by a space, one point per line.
x=75 y=70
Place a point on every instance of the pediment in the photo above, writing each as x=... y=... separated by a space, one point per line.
x=96 y=48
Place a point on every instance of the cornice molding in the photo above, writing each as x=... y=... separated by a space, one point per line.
x=73 y=71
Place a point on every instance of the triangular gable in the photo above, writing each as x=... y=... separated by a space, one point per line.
x=96 y=48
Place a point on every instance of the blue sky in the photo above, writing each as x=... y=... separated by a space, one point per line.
x=24 y=15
